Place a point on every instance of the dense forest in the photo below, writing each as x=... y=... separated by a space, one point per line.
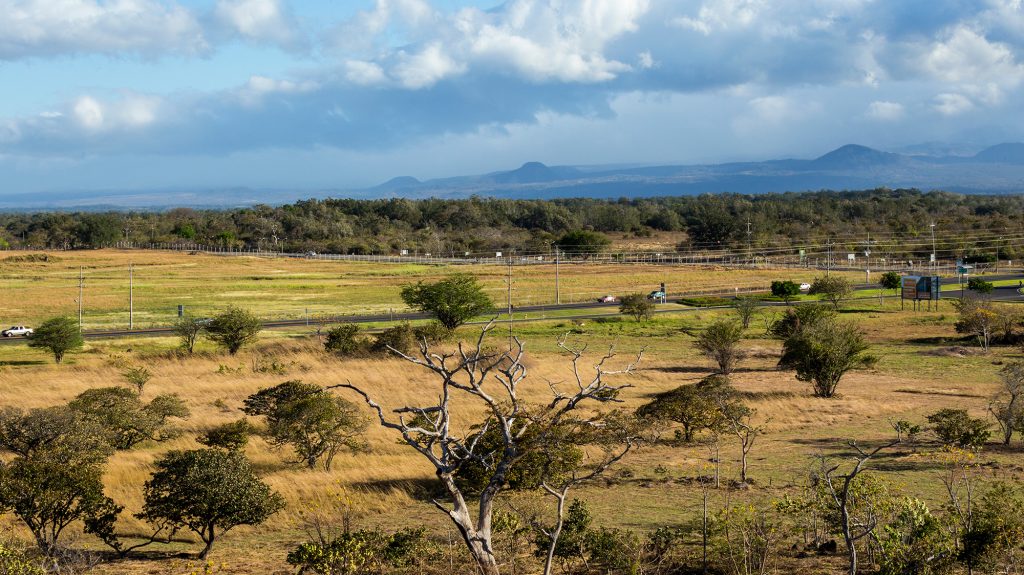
x=845 y=219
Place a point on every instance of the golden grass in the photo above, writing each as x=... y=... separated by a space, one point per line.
x=908 y=384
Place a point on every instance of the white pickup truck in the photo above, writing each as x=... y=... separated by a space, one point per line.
x=16 y=331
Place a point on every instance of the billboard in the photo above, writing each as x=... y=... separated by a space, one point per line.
x=920 y=287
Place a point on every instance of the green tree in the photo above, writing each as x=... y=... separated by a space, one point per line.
x=720 y=343
x=59 y=335
x=823 y=352
x=636 y=305
x=799 y=317
x=915 y=542
x=401 y=338
x=890 y=280
x=832 y=288
x=1008 y=405
x=955 y=427
x=452 y=301
x=137 y=377
x=978 y=285
x=695 y=406
x=344 y=340
x=233 y=329
x=315 y=422
x=745 y=308
x=53 y=430
x=583 y=242
x=996 y=531
x=126 y=419
x=785 y=290
x=188 y=329
x=208 y=491
x=232 y=436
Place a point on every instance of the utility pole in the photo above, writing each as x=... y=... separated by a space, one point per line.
x=81 y=284
x=509 y=281
x=558 y=298
x=828 y=260
x=935 y=259
x=750 y=250
x=131 y=297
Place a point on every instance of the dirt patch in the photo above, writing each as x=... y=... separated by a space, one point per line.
x=954 y=351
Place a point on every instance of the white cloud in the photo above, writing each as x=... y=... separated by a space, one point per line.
x=258 y=87
x=364 y=73
x=258 y=20
x=425 y=68
x=950 y=104
x=36 y=28
x=89 y=113
x=885 y=111
x=967 y=57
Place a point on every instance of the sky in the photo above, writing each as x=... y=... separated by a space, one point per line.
x=341 y=94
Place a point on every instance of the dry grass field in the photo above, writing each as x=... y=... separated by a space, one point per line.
x=279 y=288
x=916 y=375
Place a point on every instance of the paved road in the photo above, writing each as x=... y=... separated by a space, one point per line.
x=1001 y=293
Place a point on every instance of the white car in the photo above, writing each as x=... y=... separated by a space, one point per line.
x=805 y=287
x=607 y=299
x=16 y=331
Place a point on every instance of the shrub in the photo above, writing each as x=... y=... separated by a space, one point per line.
x=954 y=427
x=433 y=333
x=452 y=301
x=401 y=338
x=979 y=285
x=361 y=551
x=231 y=436
x=785 y=290
x=636 y=305
x=832 y=288
x=344 y=340
x=799 y=317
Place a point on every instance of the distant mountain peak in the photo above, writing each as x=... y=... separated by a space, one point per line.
x=534 y=172
x=1006 y=153
x=854 y=156
x=400 y=182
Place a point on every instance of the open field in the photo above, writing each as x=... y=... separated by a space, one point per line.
x=290 y=288
x=917 y=374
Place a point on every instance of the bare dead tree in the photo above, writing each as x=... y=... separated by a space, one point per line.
x=491 y=381
x=839 y=488
x=737 y=420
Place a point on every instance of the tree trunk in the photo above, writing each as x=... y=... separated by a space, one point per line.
x=209 y=543
x=549 y=560
x=851 y=544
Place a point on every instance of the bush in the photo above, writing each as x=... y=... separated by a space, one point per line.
x=799 y=317
x=890 y=280
x=696 y=406
x=361 y=551
x=785 y=290
x=433 y=333
x=954 y=427
x=636 y=305
x=343 y=340
x=231 y=436
x=979 y=285
x=832 y=288
x=401 y=338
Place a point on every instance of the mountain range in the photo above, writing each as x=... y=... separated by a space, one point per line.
x=995 y=170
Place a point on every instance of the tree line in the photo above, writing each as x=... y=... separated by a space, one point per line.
x=448 y=226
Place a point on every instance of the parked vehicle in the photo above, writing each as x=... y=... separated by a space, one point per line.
x=17 y=331
x=805 y=287
x=607 y=299
x=656 y=294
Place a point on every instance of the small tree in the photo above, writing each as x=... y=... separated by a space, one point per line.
x=890 y=280
x=980 y=286
x=993 y=537
x=954 y=427
x=583 y=242
x=695 y=406
x=59 y=335
x=785 y=290
x=401 y=338
x=978 y=317
x=137 y=377
x=316 y=423
x=233 y=329
x=452 y=301
x=208 y=491
x=832 y=288
x=126 y=419
x=344 y=340
x=188 y=329
x=53 y=430
x=636 y=305
x=823 y=352
x=797 y=318
x=1008 y=405
x=720 y=343
x=745 y=308
x=738 y=421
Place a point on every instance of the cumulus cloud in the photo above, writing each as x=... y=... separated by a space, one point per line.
x=952 y=104
x=885 y=111
x=39 y=28
x=266 y=21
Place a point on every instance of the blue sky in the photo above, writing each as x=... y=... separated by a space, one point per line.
x=311 y=95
